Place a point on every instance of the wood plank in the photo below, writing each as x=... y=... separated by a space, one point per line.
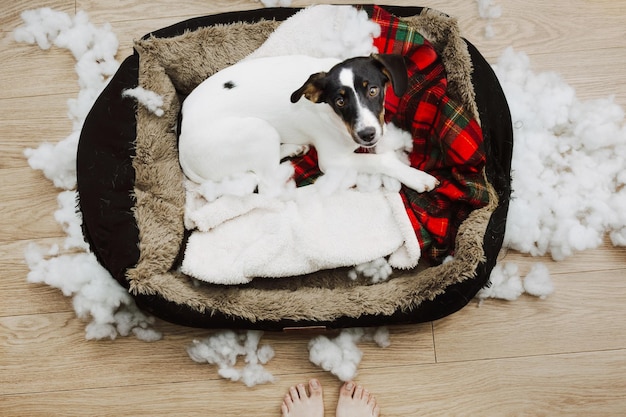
x=136 y=9
x=561 y=385
x=606 y=257
x=23 y=63
x=55 y=347
x=27 y=206
x=540 y=27
x=577 y=317
x=590 y=83
x=11 y=11
x=33 y=298
x=32 y=126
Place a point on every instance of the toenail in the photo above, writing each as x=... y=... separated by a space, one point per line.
x=314 y=383
x=349 y=386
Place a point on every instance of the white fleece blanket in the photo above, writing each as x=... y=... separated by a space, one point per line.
x=239 y=236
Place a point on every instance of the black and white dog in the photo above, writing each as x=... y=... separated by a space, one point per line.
x=246 y=117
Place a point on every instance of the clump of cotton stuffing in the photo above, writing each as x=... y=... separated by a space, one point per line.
x=57 y=161
x=489 y=11
x=275 y=3
x=377 y=270
x=567 y=168
x=323 y=31
x=94 y=49
x=149 y=99
x=42 y=26
x=538 y=282
x=70 y=220
x=341 y=356
x=506 y=283
x=96 y=296
x=223 y=350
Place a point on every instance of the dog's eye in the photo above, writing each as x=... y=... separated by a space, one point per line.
x=340 y=102
x=373 y=92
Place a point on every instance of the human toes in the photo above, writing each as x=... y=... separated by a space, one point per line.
x=299 y=403
x=315 y=388
x=347 y=389
x=355 y=400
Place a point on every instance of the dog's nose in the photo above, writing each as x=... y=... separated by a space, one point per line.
x=367 y=134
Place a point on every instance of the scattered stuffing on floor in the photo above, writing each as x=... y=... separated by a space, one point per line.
x=73 y=269
x=568 y=182
x=341 y=355
x=223 y=350
x=276 y=3
x=506 y=282
x=568 y=164
x=489 y=11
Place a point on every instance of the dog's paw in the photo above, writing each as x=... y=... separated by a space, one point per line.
x=391 y=184
x=377 y=270
x=422 y=182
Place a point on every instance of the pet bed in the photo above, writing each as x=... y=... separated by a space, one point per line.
x=132 y=198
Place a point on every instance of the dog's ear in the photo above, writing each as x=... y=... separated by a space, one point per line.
x=394 y=68
x=312 y=89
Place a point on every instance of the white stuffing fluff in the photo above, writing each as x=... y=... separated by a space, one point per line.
x=149 y=99
x=538 y=282
x=568 y=164
x=377 y=270
x=70 y=220
x=96 y=295
x=223 y=350
x=240 y=185
x=489 y=11
x=57 y=161
x=276 y=3
x=505 y=282
x=341 y=355
x=94 y=50
x=567 y=171
x=323 y=31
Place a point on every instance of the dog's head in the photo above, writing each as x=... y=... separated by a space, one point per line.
x=355 y=90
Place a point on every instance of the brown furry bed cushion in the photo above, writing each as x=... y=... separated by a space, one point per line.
x=173 y=67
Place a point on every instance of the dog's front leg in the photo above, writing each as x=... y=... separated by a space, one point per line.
x=388 y=163
x=413 y=178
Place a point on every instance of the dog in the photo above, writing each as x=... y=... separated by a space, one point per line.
x=249 y=116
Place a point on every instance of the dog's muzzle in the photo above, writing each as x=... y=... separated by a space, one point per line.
x=366 y=137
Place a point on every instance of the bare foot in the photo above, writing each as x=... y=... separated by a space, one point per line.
x=298 y=403
x=356 y=401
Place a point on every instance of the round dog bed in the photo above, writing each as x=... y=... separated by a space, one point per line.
x=132 y=196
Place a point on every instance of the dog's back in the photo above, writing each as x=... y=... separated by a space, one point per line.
x=256 y=88
x=245 y=111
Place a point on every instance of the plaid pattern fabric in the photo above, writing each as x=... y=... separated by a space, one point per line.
x=447 y=141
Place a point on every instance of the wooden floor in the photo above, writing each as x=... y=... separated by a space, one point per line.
x=564 y=356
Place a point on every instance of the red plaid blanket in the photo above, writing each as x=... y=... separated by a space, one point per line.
x=447 y=141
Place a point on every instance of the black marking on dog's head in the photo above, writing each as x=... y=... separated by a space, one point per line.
x=229 y=85
x=355 y=90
